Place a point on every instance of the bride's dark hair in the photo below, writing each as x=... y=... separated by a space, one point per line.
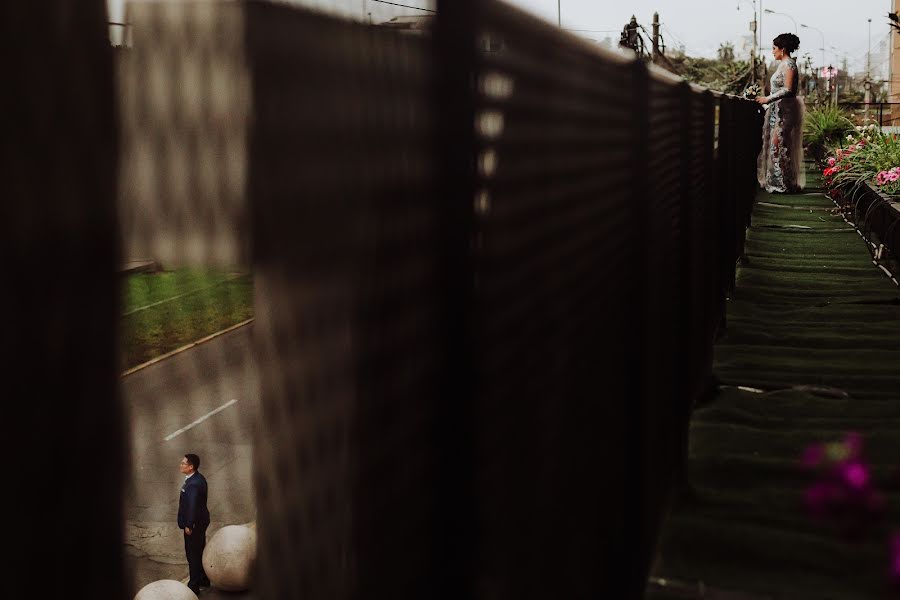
x=787 y=41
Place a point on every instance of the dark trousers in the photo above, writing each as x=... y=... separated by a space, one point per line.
x=193 y=548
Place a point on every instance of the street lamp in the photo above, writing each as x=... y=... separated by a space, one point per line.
x=754 y=51
x=756 y=28
x=772 y=12
x=869 y=52
x=823 y=40
x=869 y=72
x=832 y=82
x=838 y=53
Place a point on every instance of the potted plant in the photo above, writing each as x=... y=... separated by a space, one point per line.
x=823 y=128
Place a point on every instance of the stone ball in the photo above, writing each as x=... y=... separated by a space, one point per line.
x=165 y=589
x=228 y=558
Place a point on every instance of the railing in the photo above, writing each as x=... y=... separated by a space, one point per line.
x=886 y=114
x=488 y=287
x=877 y=218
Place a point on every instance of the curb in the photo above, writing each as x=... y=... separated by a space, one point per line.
x=172 y=353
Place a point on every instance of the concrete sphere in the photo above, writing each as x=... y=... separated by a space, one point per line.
x=228 y=558
x=165 y=589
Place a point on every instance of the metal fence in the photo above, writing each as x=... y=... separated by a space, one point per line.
x=877 y=218
x=886 y=114
x=488 y=286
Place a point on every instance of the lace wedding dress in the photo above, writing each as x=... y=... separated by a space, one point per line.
x=779 y=167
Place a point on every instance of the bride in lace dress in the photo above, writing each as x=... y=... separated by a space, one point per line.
x=779 y=167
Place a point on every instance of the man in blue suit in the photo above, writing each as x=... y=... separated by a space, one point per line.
x=193 y=518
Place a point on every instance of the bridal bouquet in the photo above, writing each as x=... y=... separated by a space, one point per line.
x=752 y=91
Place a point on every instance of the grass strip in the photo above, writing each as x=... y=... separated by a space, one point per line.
x=184 y=306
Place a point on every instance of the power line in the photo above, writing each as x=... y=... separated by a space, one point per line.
x=672 y=33
x=405 y=6
x=689 y=49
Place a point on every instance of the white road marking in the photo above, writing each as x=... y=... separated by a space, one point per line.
x=198 y=421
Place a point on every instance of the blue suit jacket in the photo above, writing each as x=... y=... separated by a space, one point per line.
x=192 y=510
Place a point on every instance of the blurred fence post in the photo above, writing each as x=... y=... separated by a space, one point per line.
x=456 y=47
x=65 y=430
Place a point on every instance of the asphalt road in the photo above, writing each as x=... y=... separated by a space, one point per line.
x=204 y=401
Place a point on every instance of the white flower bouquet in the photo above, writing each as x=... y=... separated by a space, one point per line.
x=753 y=90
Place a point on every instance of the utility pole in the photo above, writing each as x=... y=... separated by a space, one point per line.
x=559 y=13
x=869 y=52
x=655 y=37
x=836 y=91
x=868 y=84
x=759 y=50
x=753 y=48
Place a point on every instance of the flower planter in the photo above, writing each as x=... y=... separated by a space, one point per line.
x=881 y=219
x=876 y=214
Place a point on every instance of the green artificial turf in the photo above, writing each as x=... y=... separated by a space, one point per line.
x=810 y=309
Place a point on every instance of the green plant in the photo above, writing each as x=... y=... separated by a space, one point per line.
x=823 y=128
x=866 y=155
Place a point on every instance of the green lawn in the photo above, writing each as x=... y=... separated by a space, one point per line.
x=164 y=311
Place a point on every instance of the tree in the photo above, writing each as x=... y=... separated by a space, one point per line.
x=726 y=53
x=895 y=21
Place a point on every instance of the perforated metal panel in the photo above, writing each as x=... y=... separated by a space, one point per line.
x=347 y=266
x=486 y=283
x=64 y=436
x=703 y=214
x=557 y=285
x=184 y=97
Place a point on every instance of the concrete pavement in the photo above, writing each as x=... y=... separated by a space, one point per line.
x=204 y=401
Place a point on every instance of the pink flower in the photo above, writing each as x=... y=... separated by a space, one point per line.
x=893 y=176
x=842 y=492
x=855 y=475
x=852 y=148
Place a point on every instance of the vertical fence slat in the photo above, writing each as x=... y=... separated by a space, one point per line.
x=65 y=428
x=489 y=262
x=350 y=306
x=456 y=533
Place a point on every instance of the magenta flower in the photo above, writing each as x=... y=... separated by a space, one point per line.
x=855 y=475
x=842 y=493
x=831 y=161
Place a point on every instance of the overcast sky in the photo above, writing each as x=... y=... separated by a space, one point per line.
x=699 y=25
